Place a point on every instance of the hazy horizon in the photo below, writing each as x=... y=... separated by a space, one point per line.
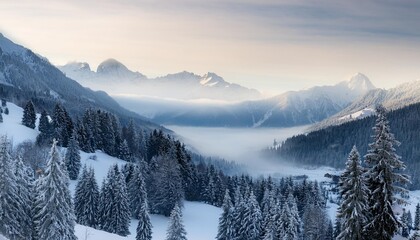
x=272 y=46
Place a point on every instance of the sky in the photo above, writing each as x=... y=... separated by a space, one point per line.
x=271 y=45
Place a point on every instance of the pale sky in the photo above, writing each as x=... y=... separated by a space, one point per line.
x=270 y=45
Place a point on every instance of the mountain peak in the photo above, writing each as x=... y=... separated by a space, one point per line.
x=111 y=65
x=210 y=79
x=360 y=82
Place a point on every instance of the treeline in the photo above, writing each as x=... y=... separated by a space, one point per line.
x=330 y=146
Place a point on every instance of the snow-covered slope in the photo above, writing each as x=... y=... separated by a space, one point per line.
x=200 y=219
x=115 y=78
x=288 y=109
x=394 y=98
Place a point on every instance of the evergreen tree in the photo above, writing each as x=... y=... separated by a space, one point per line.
x=176 y=229
x=115 y=208
x=124 y=151
x=6 y=111
x=405 y=228
x=165 y=188
x=56 y=218
x=252 y=219
x=87 y=199
x=384 y=180
x=354 y=202
x=72 y=157
x=144 y=227
x=1 y=117
x=137 y=193
x=417 y=217
x=11 y=211
x=46 y=130
x=225 y=231
x=24 y=183
x=29 y=115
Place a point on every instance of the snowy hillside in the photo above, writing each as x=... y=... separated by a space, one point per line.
x=200 y=219
x=394 y=98
x=116 y=79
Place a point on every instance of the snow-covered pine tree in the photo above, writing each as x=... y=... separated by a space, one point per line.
x=405 y=229
x=79 y=196
x=1 y=117
x=384 y=180
x=176 y=230
x=56 y=219
x=144 y=227
x=137 y=192
x=225 y=231
x=24 y=183
x=417 y=217
x=46 y=130
x=6 y=111
x=11 y=205
x=165 y=189
x=237 y=213
x=124 y=151
x=115 y=208
x=72 y=157
x=295 y=228
x=87 y=199
x=29 y=116
x=252 y=219
x=354 y=199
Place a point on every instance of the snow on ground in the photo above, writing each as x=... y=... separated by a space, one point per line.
x=359 y=114
x=13 y=128
x=2 y=237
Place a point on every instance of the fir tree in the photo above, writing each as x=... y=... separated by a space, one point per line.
x=72 y=157
x=6 y=111
x=46 y=130
x=1 y=117
x=225 y=231
x=124 y=151
x=417 y=217
x=405 y=227
x=56 y=218
x=24 y=182
x=354 y=202
x=29 y=116
x=144 y=227
x=252 y=219
x=87 y=199
x=11 y=205
x=137 y=193
x=382 y=179
x=115 y=208
x=176 y=229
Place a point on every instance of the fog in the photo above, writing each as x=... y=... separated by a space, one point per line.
x=243 y=145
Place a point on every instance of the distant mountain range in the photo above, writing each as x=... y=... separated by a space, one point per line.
x=26 y=76
x=394 y=98
x=115 y=78
x=287 y=109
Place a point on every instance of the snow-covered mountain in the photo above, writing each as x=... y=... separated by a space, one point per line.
x=25 y=76
x=394 y=98
x=115 y=78
x=288 y=109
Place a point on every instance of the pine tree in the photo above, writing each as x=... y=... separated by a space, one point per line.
x=144 y=227
x=46 y=130
x=24 y=182
x=384 y=180
x=56 y=218
x=1 y=117
x=6 y=111
x=11 y=211
x=252 y=219
x=87 y=199
x=176 y=229
x=137 y=193
x=354 y=202
x=405 y=228
x=124 y=151
x=417 y=217
x=225 y=231
x=29 y=116
x=72 y=157
x=165 y=188
x=115 y=208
